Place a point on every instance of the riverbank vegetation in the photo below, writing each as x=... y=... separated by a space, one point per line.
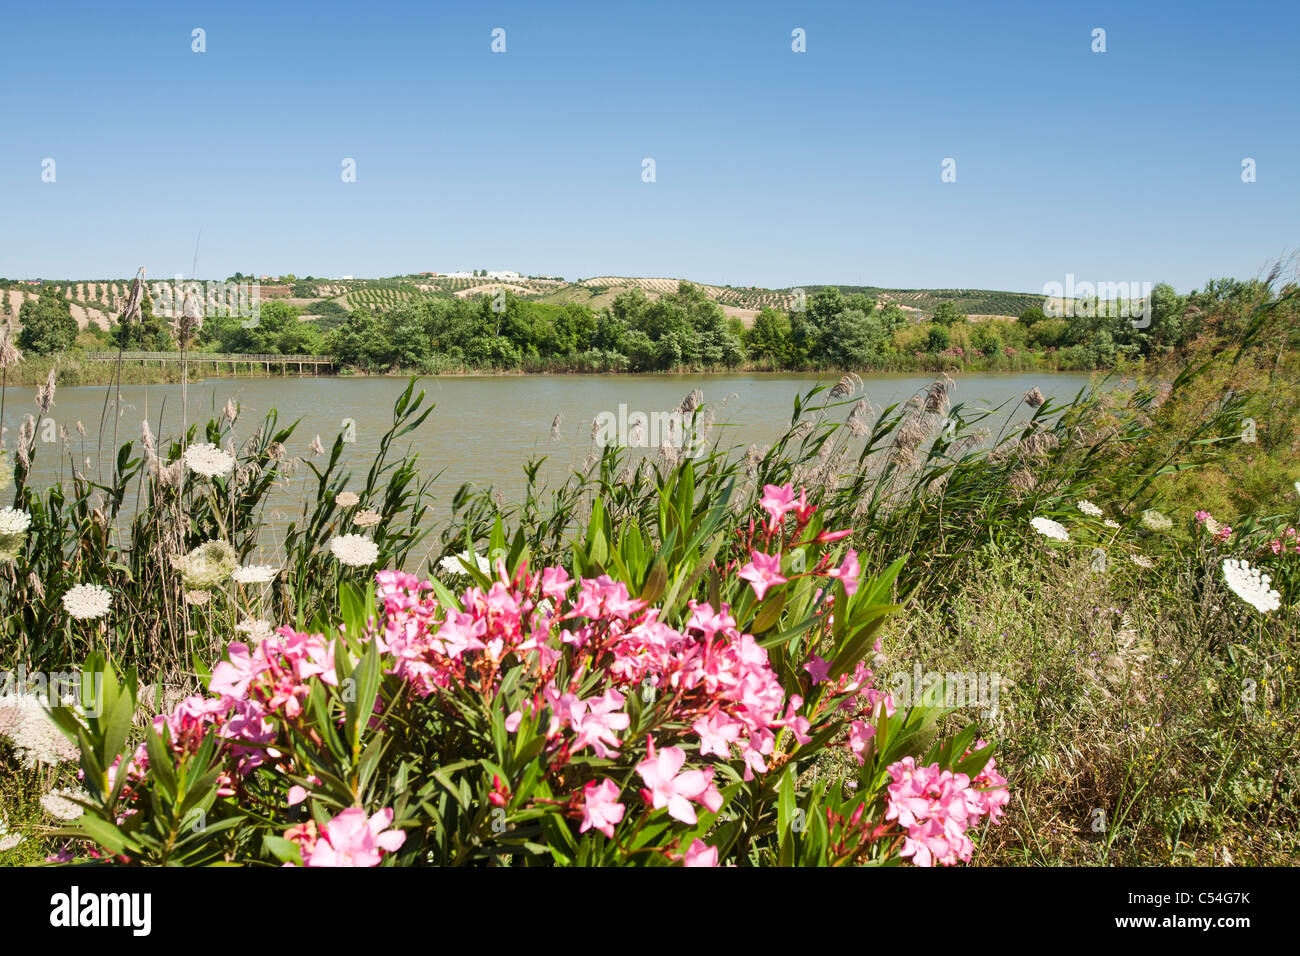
x=1112 y=582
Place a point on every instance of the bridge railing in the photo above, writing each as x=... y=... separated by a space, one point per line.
x=206 y=357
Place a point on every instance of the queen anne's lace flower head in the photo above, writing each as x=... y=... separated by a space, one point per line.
x=25 y=721
x=208 y=460
x=255 y=574
x=1251 y=585
x=86 y=602
x=366 y=518
x=208 y=565
x=256 y=628
x=1088 y=508
x=355 y=550
x=13 y=521
x=455 y=564
x=1050 y=529
x=1153 y=520
x=60 y=804
x=13 y=528
x=347 y=499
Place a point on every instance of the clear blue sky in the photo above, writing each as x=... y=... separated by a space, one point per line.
x=773 y=168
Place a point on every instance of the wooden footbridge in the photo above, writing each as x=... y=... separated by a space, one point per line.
x=305 y=364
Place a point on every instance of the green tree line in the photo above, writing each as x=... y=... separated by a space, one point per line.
x=681 y=330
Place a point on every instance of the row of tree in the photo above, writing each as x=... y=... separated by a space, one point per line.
x=684 y=329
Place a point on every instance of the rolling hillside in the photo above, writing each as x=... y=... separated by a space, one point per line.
x=97 y=301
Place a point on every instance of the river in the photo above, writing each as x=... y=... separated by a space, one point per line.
x=484 y=428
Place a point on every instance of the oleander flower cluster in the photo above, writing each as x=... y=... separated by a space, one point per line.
x=1218 y=532
x=555 y=710
x=939 y=808
x=1286 y=543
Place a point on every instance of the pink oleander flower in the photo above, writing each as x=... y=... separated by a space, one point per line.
x=674 y=790
x=859 y=689
x=989 y=788
x=777 y=501
x=555 y=583
x=232 y=677
x=763 y=572
x=700 y=853
x=819 y=670
x=797 y=724
x=803 y=511
x=848 y=572
x=596 y=728
x=460 y=632
x=860 y=733
x=600 y=808
x=711 y=622
x=353 y=839
x=598 y=597
x=717 y=734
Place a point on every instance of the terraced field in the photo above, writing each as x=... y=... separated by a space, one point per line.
x=744 y=299
x=977 y=303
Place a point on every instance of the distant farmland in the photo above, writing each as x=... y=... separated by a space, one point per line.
x=96 y=301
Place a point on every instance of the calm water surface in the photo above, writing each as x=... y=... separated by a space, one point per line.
x=484 y=428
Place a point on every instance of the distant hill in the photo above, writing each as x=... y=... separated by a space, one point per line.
x=97 y=301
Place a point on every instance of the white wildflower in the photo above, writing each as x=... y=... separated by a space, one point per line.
x=454 y=565
x=366 y=518
x=255 y=574
x=1088 y=508
x=347 y=499
x=86 y=602
x=1153 y=520
x=1111 y=523
x=355 y=550
x=33 y=733
x=1050 y=529
x=60 y=804
x=1250 y=585
x=208 y=565
x=13 y=521
x=209 y=460
x=256 y=628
